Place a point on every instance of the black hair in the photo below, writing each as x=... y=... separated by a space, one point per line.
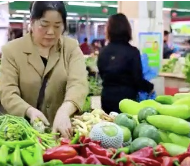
x=166 y=33
x=38 y=8
x=188 y=41
x=119 y=28
x=85 y=39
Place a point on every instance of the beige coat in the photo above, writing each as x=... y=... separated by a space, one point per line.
x=22 y=71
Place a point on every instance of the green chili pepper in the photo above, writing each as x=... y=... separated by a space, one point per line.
x=27 y=158
x=22 y=144
x=53 y=163
x=38 y=155
x=125 y=150
x=4 y=155
x=16 y=158
x=76 y=138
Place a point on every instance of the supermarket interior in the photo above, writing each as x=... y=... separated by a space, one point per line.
x=87 y=19
x=94 y=83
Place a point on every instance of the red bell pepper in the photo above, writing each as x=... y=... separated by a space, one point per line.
x=179 y=158
x=85 y=140
x=62 y=153
x=167 y=161
x=65 y=141
x=85 y=152
x=106 y=161
x=75 y=160
x=93 y=160
x=186 y=162
x=188 y=150
x=128 y=159
x=161 y=151
x=98 y=150
x=147 y=152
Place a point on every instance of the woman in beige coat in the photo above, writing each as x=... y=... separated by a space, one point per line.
x=43 y=74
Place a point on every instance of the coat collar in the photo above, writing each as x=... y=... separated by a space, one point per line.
x=34 y=58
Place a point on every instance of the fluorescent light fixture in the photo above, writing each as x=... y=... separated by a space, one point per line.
x=167 y=9
x=85 y=4
x=180 y=10
x=5 y=2
x=18 y=21
x=113 y=6
x=19 y=15
x=72 y=14
x=99 y=19
x=23 y=11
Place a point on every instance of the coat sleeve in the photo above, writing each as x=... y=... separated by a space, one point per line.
x=77 y=83
x=10 y=95
x=139 y=81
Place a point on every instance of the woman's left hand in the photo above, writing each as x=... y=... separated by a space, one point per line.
x=62 y=124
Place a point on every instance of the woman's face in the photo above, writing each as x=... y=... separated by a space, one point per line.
x=47 y=30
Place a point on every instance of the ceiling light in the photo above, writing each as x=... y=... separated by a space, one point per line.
x=18 y=21
x=72 y=14
x=84 y=4
x=180 y=10
x=23 y=11
x=5 y=2
x=19 y=15
x=99 y=19
x=113 y=6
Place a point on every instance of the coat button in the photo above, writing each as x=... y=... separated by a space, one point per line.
x=48 y=106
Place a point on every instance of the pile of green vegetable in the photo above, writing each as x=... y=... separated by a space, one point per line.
x=186 y=70
x=169 y=66
x=13 y=128
x=164 y=120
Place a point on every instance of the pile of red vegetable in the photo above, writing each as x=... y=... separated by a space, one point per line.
x=85 y=151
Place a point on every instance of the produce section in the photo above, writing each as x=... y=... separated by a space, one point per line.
x=149 y=133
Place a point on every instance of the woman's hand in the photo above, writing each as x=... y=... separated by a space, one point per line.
x=34 y=114
x=62 y=124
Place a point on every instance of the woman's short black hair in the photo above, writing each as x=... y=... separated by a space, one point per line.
x=119 y=28
x=38 y=8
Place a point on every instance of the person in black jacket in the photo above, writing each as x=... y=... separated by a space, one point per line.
x=167 y=51
x=120 y=67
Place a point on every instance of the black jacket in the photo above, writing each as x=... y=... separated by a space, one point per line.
x=120 y=68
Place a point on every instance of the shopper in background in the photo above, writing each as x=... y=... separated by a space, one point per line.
x=95 y=47
x=43 y=75
x=119 y=66
x=85 y=47
x=187 y=51
x=167 y=51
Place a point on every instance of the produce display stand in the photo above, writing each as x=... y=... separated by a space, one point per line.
x=173 y=83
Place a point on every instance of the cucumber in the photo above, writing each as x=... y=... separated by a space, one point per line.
x=165 y=99
x=179 y=111
x=129 y=107
x=164 y=136
x=179 y=140
x=169 y=123
x=150 y=103
x=183 y=101
x=178 y=96
x=151 y=132
x=140 y=143
x=144 y=113
x=174 y=149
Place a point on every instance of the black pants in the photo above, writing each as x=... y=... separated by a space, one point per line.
x=111 y=97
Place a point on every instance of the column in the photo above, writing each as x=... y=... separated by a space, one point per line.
x=4 y=24
x=137 y=13
x=146 y=19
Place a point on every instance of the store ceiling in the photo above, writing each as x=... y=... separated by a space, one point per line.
x=95 y=11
